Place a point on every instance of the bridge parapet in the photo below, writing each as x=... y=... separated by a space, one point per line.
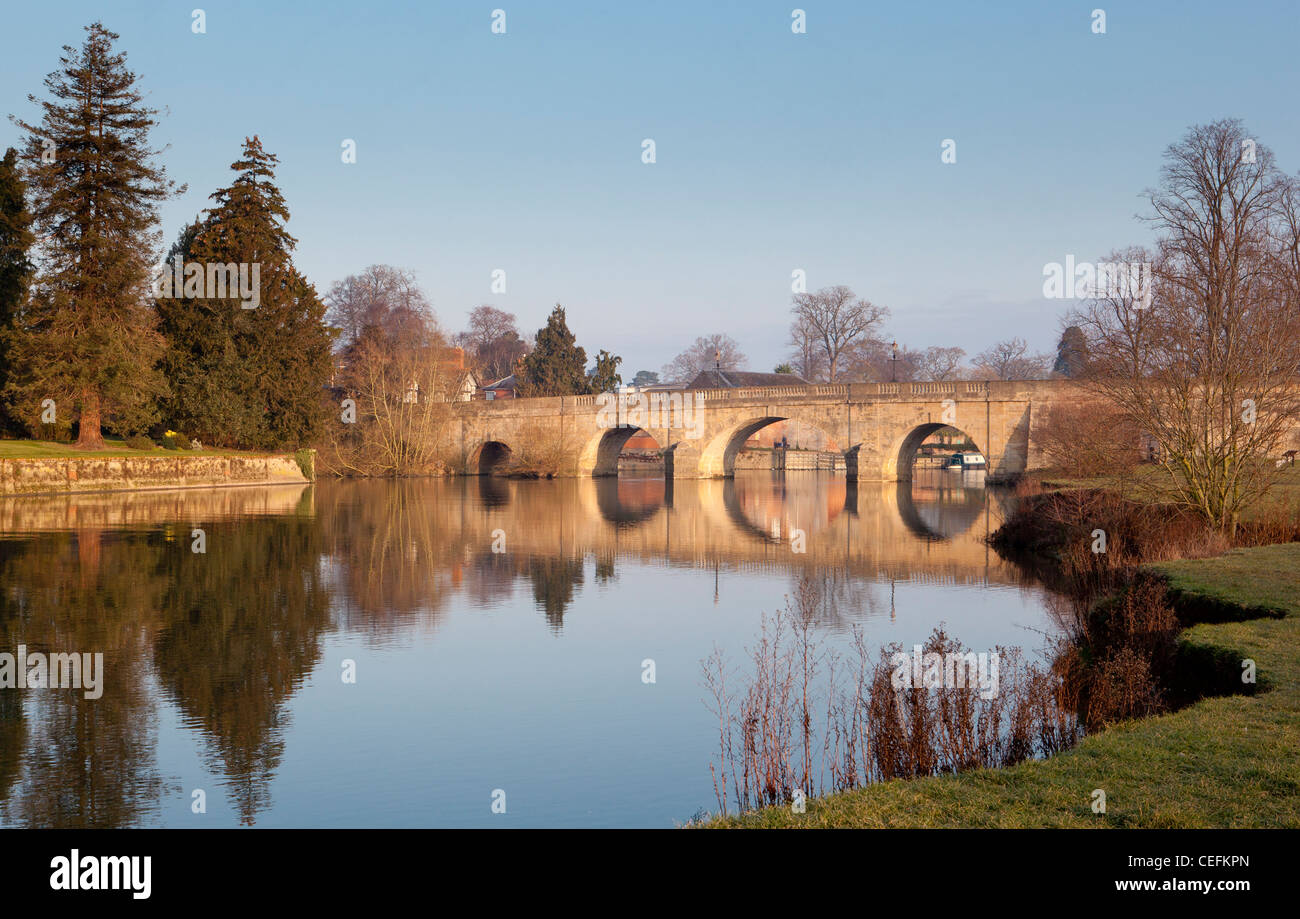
x=770 y=392
x=993 y=390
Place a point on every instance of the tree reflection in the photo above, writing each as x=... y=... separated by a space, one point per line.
x=241 y=629
x=13 y=720
x=554 y=580
x=397 y=547
x=87 y=762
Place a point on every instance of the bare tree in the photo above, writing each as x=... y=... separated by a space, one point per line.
x=877 y=360
x=806 y=356
x=381 y=296
x=708 y=352
x=836 y=319
x=487 y=324
x=492 y=342
x=1011 y=360
x=402 y=383
x=1206 y=365
x=938 y=363
x=1090 y=437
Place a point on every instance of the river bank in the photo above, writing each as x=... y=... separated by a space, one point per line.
x=125 y=470
x=1231 y=759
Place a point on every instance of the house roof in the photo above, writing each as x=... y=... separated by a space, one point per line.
x=734 y=379
x=654 y=387
x=503 y=383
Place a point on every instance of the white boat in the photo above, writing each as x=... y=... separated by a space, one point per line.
x=960 y=462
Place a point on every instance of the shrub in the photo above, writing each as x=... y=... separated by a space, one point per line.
x=175 y=440
x=1089 y=439
x=139 y=442
x=770 y=742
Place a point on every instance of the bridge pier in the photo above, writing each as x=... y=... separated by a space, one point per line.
x=852 y=459
x=682 y=461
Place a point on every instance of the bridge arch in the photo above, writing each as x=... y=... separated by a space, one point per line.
x=599 y=456
x=904 y=453
x=490 y=457
x=718 y=455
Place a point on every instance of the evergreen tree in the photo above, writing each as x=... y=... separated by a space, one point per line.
x=605 y=376
x=87 y=339
x=15 y=268
x=556 y=366
x=247 y=376
x=211 y=385
x=1071 y=352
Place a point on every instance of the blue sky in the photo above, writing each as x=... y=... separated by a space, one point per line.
x=775 y=151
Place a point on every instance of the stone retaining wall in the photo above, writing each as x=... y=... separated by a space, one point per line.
x=61 y=475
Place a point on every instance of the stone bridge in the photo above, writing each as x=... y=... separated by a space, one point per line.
x=878 y=426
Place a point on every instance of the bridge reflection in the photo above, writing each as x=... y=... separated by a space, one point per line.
x=937 y=506
x=932 y=528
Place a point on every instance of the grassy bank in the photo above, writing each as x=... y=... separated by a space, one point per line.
x=1232 y=761
x=1148 y=482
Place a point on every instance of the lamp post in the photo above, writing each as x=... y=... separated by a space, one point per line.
x=893 y=363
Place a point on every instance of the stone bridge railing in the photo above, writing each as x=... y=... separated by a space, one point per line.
x=957 y=389
x=962 y=388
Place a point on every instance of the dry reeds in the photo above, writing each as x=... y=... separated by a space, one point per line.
x=870 y=729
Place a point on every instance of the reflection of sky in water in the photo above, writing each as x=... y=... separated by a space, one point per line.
x=522 y=672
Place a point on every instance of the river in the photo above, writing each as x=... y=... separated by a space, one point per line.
x=410 y=653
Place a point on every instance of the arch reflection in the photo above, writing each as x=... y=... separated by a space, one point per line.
x=937 y=506
x=774 y=505
x=626 y=502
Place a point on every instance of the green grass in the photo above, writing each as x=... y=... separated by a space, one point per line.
x=1284 y=496
x=1264 y=581
x=1232 y=761
x=36 y=449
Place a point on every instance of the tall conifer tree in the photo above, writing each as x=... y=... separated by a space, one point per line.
x=605 y=376
x=87 y=338
x=244 y=376
x=15 y=269
x=208 y=379
x=556 y=366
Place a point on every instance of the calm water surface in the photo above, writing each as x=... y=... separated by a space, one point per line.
x=476 y=670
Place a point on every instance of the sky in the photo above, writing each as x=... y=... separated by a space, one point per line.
x=774 y=151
